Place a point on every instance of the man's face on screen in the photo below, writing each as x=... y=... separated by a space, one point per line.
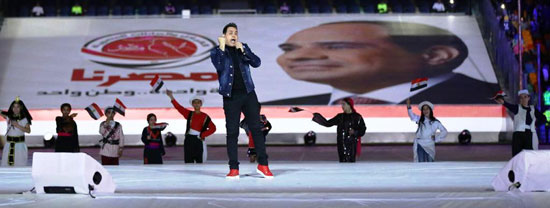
x=350 y=52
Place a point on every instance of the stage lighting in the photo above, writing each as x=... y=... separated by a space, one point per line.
x=309 y=138
x=464 y=137
x=451 y=2
x=502 y=6
x=49 y=140
x=170 y=139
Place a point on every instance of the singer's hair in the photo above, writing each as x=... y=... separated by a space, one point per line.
x=231 y=24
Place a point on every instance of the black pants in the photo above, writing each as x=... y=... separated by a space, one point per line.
x=248 y=104
x=521 y=140
x=192 y=149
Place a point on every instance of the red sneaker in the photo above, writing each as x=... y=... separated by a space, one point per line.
x=233 y=174
x=264 y=171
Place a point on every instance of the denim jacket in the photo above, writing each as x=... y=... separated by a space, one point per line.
x=224 y=66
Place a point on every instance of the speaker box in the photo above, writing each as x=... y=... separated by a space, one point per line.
x=527 y=171
x=69 y=173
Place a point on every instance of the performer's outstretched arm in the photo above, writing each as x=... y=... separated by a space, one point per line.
x=318 y=118
x=512 y=108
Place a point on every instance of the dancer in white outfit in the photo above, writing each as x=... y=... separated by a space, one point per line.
x=19 y=122
x=424 y=143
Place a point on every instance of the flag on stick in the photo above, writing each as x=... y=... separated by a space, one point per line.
x=95 y=111
x=119 y=107
x=157 y=83
x=419 y=83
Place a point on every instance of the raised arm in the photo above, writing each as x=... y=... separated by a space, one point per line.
x=512 y=108
x=413 y=116
x=216 y=54
x=183 y=111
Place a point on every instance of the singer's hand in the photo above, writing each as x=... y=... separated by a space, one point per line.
x=499 y=100
x=408 y=103
x=239 y=45
x=221 y=41
x=73 y=115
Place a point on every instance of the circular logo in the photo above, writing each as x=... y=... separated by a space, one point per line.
x=148 y=49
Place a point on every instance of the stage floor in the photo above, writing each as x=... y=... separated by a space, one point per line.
x=296 y=184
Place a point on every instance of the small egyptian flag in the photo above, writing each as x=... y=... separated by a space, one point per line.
x=500 y=94
x=157 y=83
x=95 y=111
x=119 y=107
x=160 y=126
x=419 y=83
x=295 y=109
